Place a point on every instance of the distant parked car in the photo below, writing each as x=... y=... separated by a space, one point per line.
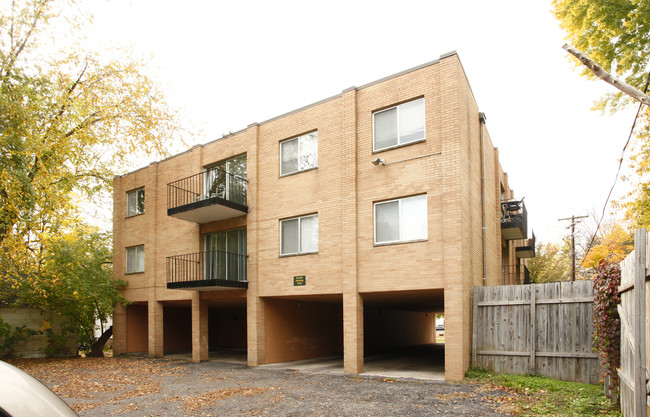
x=440 y=327
x=22 y=395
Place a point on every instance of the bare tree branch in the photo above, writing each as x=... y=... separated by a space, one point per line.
x=607 y=77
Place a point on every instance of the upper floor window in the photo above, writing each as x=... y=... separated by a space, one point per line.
x=398 y=125
x=299 y=235
x=135 y=259
x=135 y=202
x=401 y=220
x=299 y=154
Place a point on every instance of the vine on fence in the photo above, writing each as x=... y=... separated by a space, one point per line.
x=607 y=324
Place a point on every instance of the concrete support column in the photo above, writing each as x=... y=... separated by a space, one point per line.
x=352 y=333
x=119 y=330
x=155 y=320
x=199 y=328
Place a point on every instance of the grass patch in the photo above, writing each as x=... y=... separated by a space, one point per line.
x=537 y=395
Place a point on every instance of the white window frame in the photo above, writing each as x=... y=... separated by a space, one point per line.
x=135 y=211
x=399 y=144
x=139 y=251
x=298 y=138
x=299 y=218
x=401 y=228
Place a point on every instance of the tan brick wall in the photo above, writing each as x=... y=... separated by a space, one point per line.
x=342 y=190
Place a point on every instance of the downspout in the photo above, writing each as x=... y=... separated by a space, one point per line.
x=482 y=118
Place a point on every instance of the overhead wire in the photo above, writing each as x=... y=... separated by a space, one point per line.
x=618 y=171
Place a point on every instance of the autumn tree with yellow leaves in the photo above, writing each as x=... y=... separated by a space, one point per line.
x=615 y=34
x=69 y=118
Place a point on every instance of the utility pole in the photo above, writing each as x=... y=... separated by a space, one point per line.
x=573 y=242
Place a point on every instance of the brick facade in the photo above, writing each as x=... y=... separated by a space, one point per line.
x=350 y=279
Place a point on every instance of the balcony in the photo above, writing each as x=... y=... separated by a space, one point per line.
x=526 y=249
x=514 y=220
x=515 y=275
x=207 y=271
x=209 y=196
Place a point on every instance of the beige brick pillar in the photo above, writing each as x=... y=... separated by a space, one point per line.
x=155 y=321
x=254 y=304
x=352 y=301
x=199 y=328
x=256 y=333
x=352 y=333
x=119 y=330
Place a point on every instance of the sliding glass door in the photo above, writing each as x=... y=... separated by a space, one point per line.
x=225 y=255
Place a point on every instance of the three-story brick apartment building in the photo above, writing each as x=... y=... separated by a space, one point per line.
x=340 y=227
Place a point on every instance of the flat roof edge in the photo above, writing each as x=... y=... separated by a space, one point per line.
x=398 y=74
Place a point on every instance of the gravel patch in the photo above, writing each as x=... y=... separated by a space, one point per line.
x=139 y=386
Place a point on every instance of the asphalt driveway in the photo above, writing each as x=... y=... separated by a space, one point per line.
x=139 y=386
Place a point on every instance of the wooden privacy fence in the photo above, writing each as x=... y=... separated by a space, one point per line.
x=633 y=312
x=537 y=328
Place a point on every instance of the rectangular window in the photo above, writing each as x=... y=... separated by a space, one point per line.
x=299 y=235
x=398 y=125
x=135 y=259
x=299 y=154
x=135 y=202
x=401 y=220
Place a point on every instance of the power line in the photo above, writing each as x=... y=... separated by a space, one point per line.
x=618 y=171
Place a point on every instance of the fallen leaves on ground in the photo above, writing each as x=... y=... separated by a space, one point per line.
x=85 y=378
x=197 y=403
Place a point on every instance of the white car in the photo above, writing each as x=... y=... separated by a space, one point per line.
x=22 y=395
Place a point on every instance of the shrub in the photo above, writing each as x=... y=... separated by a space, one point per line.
x=607 y=323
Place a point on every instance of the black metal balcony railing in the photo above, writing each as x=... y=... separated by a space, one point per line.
x=515 y=275
x=211 y=183
x=514 y=219
x=207 y=269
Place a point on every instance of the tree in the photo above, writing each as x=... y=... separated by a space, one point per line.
x=77 y=279
x=551 y=263
x=614 y=245
x=68 y=120
x=615 y=35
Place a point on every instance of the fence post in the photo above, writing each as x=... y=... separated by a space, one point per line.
x=639 y=322
x=533 y=329
x=475 y=325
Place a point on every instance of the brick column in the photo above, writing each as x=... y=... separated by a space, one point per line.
x=254 y=305
x=155 y=320
x=199 y=328
x=352 y=333
x=119 y=330
x=352 y=301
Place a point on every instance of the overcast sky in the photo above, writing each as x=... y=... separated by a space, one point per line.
x=225 y=65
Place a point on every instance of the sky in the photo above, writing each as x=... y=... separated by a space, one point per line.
x=224 y=65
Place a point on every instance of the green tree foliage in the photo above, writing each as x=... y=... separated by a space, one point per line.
x=76 y=279
x=616 y=35
x=67 y=119
x=551 y=263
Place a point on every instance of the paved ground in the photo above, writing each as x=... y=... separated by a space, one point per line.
x=425 y=362
x=138 y=386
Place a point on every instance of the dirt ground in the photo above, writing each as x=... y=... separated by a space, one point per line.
x=140 y=386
